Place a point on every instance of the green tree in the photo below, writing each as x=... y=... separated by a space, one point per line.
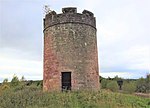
x=112 y=85
x=22 y=78
x=148 y=83
x=5 y=81
x=143 y=84
x=104 y=83
x=129 y=87
x=5 y=85
x=15 y=81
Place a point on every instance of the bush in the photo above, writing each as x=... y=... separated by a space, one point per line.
x=129 y=87
x=15 y=81
x=143 y=85
x=104 y=83
x=5 y=87
x=112 y=85
x=5 y=81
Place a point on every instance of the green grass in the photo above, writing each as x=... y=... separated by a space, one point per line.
x=33 y=97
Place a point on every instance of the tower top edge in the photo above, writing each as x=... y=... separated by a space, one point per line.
x=70 y=10
x=69 y=15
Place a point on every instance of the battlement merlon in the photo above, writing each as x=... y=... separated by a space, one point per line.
x=69 y=15
x=69 y=10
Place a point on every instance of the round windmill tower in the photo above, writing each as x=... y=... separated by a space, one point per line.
x=70 y=51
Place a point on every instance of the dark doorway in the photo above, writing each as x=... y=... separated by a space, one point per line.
x=66 y=81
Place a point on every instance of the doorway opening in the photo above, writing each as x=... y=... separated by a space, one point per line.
x=66 y=81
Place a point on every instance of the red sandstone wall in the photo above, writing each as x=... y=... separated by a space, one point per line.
x=72 y=47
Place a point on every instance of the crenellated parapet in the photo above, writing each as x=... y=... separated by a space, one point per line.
x=69 y=15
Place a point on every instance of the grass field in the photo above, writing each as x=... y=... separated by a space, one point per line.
x=33 y=97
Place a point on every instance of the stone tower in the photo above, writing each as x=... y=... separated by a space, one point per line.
x=70 y=51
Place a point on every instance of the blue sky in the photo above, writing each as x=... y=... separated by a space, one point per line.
x=122 y=34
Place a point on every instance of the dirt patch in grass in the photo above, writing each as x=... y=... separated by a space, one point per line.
x=146 y=95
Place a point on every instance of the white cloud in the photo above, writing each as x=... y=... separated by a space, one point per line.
x=138 y=57
x=123 y=37
x=132 y=58
x=126 y=75
x=11 y=62
x=119 y=74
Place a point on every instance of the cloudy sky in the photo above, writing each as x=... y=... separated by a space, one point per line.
x=123 y=35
